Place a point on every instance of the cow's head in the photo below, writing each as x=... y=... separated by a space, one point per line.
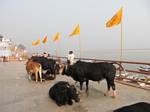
x=28 y=61
x=73 y=94
x=58 y=66
x=67 y=70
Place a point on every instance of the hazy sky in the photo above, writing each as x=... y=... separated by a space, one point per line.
x=27 y=20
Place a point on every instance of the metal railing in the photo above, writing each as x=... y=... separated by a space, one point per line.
x=135 y=82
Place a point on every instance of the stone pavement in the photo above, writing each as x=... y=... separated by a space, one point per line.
x=18 y=94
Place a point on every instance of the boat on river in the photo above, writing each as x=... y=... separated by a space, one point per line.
x=144 y=68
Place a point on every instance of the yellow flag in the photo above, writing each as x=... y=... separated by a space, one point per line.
x=45 y=39
x=33 y=43
x=115 y=20
x=56 y=37
x=37 y=42
x=76 y=31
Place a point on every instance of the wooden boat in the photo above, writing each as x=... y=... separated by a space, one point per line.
x=145 y=68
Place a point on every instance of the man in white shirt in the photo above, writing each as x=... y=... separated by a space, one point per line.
x=70 y=58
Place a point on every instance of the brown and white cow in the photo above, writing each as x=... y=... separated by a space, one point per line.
x=34 y=68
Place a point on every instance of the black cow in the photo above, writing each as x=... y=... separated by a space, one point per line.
x=137 y=107
x=50 y=65
x=85 y=71
x=63 y=93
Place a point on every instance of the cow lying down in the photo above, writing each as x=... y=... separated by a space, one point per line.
x=137 y=107
x=63 y=93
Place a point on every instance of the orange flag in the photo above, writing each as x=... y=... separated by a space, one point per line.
x=76 y=31
x=115 y=20
x=37 y=42
x=56 y=37
x=45 y=39
x=33 y=43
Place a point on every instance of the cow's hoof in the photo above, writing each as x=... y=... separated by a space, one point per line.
x=107 y=93
x=70 y=102
x=41 y=81
x=113 y=97
x=59 y=104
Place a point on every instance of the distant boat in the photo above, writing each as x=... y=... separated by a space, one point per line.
x=145 y=68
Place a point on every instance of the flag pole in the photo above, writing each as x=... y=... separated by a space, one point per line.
x=121 y=40
x=59 y=50
x=56 y=51
x=80 y=53
x=121 y=43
